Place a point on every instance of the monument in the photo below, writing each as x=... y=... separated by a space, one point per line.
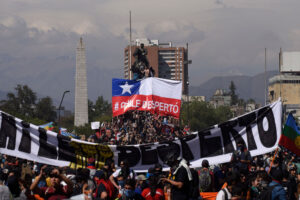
x=81 y=97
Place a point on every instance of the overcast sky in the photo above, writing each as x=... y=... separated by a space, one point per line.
x=226 y=37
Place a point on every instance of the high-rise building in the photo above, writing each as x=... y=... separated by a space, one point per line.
x=286 y=85
x=169 y=62
x=81 y=97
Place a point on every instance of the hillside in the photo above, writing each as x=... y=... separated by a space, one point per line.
x=246 y=86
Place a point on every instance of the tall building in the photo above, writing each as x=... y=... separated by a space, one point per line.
x=286 y=85
x=81 y=97
x=168 y=62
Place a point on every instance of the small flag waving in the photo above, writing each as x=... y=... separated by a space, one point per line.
x=290 y=138
x=48 y=126
x=156 y=95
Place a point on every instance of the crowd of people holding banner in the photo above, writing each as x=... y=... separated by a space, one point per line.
x=270 y=176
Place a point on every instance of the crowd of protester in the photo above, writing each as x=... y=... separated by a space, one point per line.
x=245 y=177
x=138 y=127
x=270 y=176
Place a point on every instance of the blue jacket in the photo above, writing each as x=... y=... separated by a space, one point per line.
x=278 y=193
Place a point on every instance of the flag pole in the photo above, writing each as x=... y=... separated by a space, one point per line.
x=276 y=151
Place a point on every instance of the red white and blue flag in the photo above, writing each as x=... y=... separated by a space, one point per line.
x=156 y=95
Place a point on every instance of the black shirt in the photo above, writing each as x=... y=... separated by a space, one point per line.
x=183 y=192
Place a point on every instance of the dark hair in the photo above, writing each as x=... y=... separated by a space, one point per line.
x=285 y=174
x=276 y=174
x=205 y=163
x=108 y=162
x=231 y=178
x=252 y=178
x=130 y=182
x=3 y=176
x=153 y=180
x=13 y=185
x=236 y=191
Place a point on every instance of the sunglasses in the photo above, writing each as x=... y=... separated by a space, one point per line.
x=53 y=176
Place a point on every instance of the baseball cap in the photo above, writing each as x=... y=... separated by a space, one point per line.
x=141 y=177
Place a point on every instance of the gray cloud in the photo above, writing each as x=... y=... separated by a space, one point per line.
x=38 y=38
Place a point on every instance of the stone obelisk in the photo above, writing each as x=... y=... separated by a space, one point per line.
x=81 y=97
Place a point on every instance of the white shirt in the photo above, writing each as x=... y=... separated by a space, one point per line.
x=221 y=194
x=5 y=193
x=117 y=172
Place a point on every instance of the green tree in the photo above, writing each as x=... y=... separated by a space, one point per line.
x=84 y=130
x=203 y=115
x=45 y=109
x=100 y=110
x=234 y=96
x=21 y=104
x=223 y=113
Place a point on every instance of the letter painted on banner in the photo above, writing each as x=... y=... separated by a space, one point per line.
x=149 y=155
x=130 y=153
x=226 y=129
x=267 y=137
x=164 y=148
x=8 y=130
x=46 y=150
x=65 y=150
x=186 y=151
x=209 y=146
x=25 y=144
x=248 y=121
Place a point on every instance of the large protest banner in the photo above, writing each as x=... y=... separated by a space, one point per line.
x=260 y=130
x=156 y=95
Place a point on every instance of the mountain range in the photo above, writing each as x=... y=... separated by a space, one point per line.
x=246 y=86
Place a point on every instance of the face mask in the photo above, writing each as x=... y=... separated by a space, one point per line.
x=121 y=183
x=129 y=193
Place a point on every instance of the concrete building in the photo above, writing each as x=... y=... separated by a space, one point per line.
x=81 y=97
x=186 y=98
x=220 y=98
x=286 y=85
x=169 y=62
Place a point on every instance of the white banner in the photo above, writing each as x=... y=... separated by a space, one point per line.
x=260 y=130
x=95 y=125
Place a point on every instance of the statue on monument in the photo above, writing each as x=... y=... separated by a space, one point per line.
x=140 y=67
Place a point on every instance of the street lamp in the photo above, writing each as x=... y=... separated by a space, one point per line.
x=60 y=107
x=188 y=102
x=187 y=62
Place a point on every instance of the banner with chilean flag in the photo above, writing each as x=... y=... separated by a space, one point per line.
x=157 y=95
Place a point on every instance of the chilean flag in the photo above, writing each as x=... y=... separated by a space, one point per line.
x=157 y=95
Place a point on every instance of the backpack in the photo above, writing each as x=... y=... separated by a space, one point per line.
x=204 y=180
x=266 y=194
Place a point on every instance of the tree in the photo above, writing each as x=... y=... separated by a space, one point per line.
x=22 y=103
x=203 y=115
x=223 y=113
x=234 y=96
x=101 y=109
x=45 y=109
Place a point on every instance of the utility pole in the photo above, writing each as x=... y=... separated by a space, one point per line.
x=130 y=39
x=266 y=89
x=188 y=83
x=280 y=62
